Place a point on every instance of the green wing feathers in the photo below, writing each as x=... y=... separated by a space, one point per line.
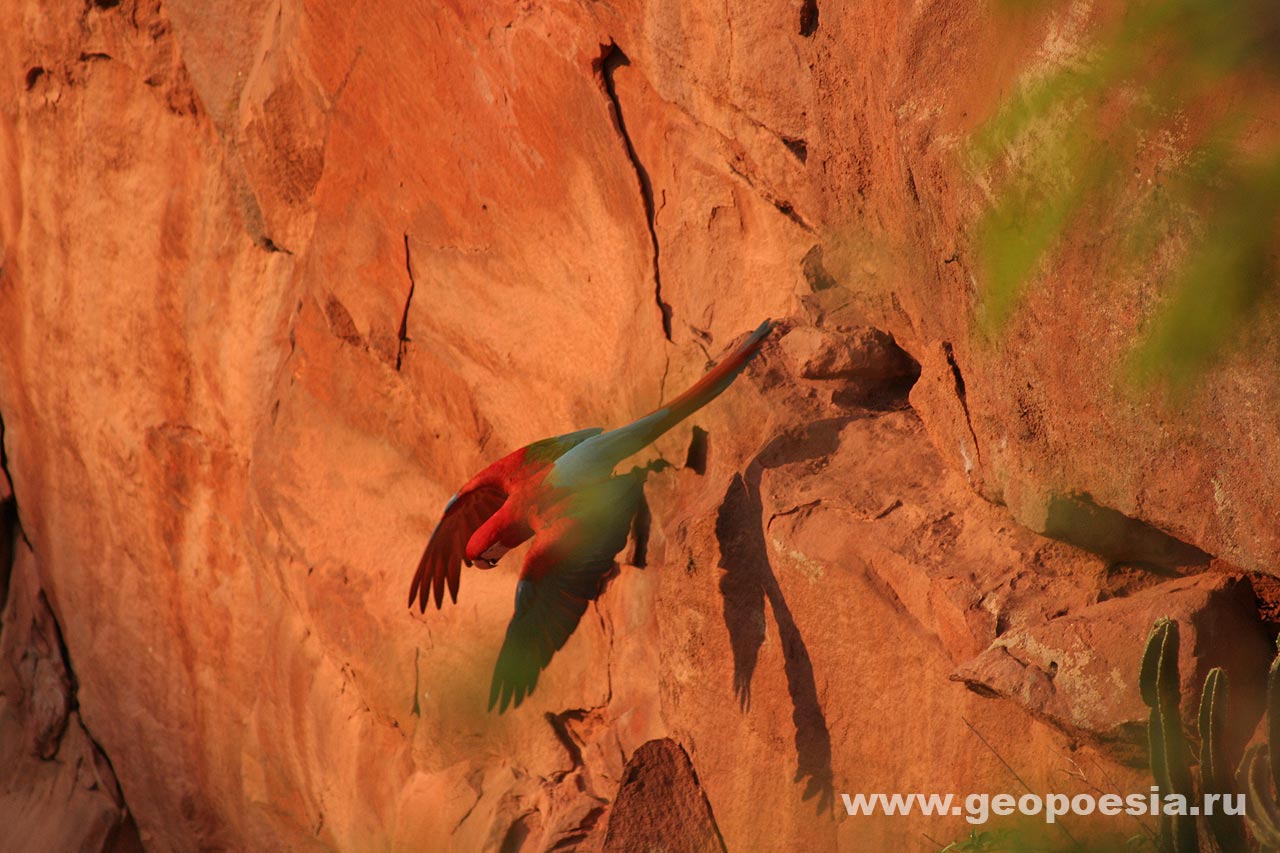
x=550 y=449
x=549 y=608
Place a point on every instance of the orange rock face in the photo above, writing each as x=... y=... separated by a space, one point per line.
x=277 y=278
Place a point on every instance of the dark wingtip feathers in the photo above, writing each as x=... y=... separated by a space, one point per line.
x=415 y=588
x=500 y=690
x=496 y=691
x=437 y=587
x=506 y=695
x=441 y=565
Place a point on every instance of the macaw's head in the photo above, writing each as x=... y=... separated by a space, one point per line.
x=484 y=555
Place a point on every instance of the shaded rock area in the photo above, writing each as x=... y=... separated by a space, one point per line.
x=276 y=278
x=861 y=353
x=58 y=791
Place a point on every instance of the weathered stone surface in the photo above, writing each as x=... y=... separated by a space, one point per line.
x=660 y=807
x=1079 y=671
x=863 y=354
x=275 y=279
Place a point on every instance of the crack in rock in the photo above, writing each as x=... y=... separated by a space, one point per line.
x=783 y=206
x=962 y=396
x=53 y=683
x=404 y=316
x=8 y=495
x=611 y=59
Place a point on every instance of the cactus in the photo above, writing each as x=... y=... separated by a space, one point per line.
x=1147 y=684
x=1273 y=721
x=1160 y=691
x=1259 y=773
x=1263 y=815
x=1215 y=764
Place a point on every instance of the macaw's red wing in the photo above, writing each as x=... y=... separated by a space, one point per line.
x=474 y=504
x=442 y=560
x=564 y=570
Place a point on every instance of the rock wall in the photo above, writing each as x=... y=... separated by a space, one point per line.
x=276 y=277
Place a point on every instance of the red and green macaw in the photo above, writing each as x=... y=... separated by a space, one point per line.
x=563 y=493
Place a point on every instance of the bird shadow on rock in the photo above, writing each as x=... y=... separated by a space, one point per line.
x=748 y=582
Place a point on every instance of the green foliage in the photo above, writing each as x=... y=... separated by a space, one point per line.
x=1030 y=838
x=1058 y=157
x=976 y=842
x=1222 y=284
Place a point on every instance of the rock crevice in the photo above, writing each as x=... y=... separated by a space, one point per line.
x=611 y=59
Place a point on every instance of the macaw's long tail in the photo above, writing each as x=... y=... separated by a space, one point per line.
x=710 y=386
x=596 y=457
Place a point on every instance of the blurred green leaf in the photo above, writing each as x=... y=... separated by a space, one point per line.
x=1055 y=164
x=1222 y=285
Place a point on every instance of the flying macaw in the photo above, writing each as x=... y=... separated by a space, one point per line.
x=561 y=492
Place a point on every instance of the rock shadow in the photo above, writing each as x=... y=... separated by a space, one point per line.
x=1085 y=523
x=748 y=582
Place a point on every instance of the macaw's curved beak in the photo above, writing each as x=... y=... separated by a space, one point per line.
x=491 y=556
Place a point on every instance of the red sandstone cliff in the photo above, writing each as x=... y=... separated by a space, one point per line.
x=276 y=277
